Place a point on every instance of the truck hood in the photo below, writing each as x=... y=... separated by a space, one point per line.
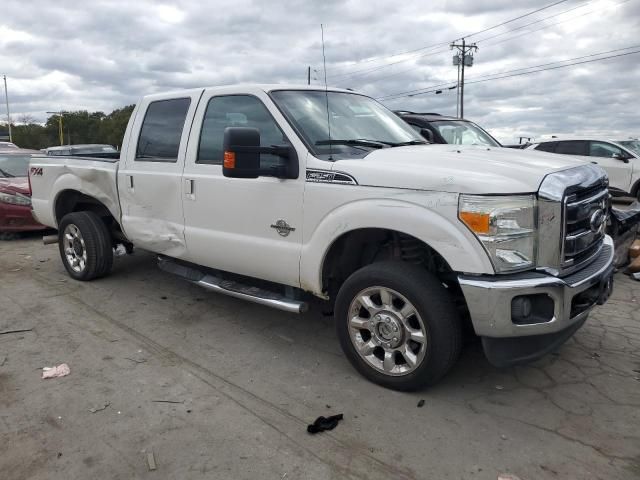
x=455 y=168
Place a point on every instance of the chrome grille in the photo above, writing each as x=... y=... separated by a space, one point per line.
x=582 y=240
x=567 y=202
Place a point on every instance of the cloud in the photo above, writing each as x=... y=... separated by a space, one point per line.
x=106 y=54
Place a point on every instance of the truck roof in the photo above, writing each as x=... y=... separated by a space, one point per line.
x=249 y=87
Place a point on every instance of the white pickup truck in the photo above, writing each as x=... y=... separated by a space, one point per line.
x=258 y=192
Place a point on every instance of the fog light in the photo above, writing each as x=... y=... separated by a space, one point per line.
x=520 y=309
x=531 y=309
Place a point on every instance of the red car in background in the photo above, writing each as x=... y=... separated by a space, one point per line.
x=15 y=195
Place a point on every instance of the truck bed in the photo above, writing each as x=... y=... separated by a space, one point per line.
x=95 y=177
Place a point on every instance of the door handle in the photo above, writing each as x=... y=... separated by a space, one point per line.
x=130 y=179
x=189 y=186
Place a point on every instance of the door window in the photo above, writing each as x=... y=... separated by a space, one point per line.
x=161 y=131
x=604 y=149
x=572 y=147
x=237 y=111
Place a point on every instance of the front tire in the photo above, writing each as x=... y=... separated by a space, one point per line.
x=397 y=325
x=85 y=245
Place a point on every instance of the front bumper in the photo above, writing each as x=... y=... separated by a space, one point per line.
x=567 y=301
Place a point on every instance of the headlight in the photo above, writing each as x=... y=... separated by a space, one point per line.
x=506 y=226
x=15 y=199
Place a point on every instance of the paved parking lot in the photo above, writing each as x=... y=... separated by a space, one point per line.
x=246 y=380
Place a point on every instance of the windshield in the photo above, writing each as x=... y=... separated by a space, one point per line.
x=95 y=149
x=633 y=145
x=459 y=132
x=358 y=124
x=14 y=165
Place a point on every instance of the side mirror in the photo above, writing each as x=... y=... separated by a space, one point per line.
x=620 y=156
x=427 y=134
x=242 y=152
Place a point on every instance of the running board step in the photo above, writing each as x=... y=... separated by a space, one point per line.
x=233 y=288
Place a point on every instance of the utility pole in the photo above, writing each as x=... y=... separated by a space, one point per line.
x=458 y=91
x=6 y=97
x=464 y=58
x=60 y=131
x=309 y=75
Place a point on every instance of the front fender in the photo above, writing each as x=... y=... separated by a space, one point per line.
x=427 y=216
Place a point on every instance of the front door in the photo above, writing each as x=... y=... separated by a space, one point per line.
x=247 y=226
x=618 y=170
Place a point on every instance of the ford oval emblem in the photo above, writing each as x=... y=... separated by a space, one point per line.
x=597 y=219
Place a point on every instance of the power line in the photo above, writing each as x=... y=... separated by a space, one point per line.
x=508 y=74
x=400 y=72
x=558 y=66
x=437 y=44
x=386 y=65
x=553 y=63
x=419 y=90
x=554 y=24
x=376 y=59
x=512 y=20
x=520 y=27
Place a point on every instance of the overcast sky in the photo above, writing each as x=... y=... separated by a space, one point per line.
x=101 y=55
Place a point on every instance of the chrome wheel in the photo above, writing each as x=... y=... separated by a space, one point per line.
x=387 y=331
x=75 y=250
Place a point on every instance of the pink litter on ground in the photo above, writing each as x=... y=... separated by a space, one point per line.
x=53 y=372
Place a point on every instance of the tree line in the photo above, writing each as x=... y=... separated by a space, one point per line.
x=78 y=127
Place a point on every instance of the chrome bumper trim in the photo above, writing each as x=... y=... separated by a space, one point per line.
x=489 y=297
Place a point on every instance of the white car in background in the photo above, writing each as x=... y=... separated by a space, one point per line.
x=8 y=146
x=619 y=158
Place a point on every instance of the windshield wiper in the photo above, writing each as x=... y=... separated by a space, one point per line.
x=410 y=142
x=6 y=174
x=355 y=141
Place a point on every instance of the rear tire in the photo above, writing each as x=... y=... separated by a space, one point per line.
x=85 y=245
x=397 y=325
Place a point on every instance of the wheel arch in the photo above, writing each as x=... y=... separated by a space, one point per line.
x=635 y=189
x=356 y=248
x=432 y=228
x=71 y=200
x=93 y=187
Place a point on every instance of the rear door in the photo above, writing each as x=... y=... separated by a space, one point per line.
x=619 y=171
x=150 y=180
x=242 y=225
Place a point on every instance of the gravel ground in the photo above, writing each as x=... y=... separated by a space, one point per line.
x=214 y=387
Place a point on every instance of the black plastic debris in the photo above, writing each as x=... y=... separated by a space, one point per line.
x=623 y=228
x=624 y=220
x=324 y=423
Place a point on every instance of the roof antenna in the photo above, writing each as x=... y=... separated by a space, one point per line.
x=326 y=93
